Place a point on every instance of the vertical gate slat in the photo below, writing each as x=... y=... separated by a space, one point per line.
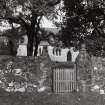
x=63 y=79
x=56 y=79
x=60 y=81
x=54 y=82
x=72 y=82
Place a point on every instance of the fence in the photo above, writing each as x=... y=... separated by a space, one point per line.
x=64 y=79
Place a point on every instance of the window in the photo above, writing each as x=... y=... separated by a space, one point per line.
x=53 y=51
x=40 y=51
x=69 y=57
x=57 y=51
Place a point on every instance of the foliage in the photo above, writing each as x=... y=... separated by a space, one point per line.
x=28 y=14
x=84 y=22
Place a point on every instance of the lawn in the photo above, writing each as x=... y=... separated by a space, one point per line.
x=48 y=98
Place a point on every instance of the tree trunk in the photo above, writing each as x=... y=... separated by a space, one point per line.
x=37 y=41
x=36 y=46
x=32 y=32
x=30 y=35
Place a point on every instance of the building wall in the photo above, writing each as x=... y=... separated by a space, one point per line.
x=59 y=56
x=22 y=48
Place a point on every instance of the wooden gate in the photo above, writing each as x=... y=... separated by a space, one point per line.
x=64 y=78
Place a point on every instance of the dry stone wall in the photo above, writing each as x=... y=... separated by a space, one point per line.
x=98 y=71
x=24 y=73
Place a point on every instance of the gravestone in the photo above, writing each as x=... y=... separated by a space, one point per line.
x=84 y=67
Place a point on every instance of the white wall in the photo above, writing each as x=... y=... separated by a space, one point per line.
x=63 y=56
x=22 y=49
x=54 y=57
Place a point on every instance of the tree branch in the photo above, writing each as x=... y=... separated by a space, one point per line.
x=52 y=3
x=26 y=25
x=17 y=20
x=38 y=26
x=99 y=31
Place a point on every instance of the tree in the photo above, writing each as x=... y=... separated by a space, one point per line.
x=28 y=14
x=85 y=22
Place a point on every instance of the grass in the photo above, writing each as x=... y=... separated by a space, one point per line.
x=46 y=98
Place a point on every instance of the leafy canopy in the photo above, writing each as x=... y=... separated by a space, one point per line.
x=85 y=22
x=21 y=11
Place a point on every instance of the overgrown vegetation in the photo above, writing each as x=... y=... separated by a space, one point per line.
x=85 y=22
x=28 y=14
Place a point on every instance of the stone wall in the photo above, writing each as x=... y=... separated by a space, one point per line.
x=98 y=70
x=25 y=73
x=34 y=73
